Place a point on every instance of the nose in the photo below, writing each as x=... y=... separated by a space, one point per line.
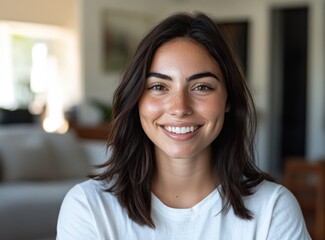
x=180 y=104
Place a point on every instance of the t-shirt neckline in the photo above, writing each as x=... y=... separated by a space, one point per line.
x=205 y=204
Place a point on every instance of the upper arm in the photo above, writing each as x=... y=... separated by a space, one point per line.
x=287 y=221
x=76 y=220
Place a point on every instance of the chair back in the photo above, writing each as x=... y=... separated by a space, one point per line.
x=306 y=180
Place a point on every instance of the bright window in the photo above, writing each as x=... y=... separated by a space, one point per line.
x=38 y=69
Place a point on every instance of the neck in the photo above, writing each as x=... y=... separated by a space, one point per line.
x=182 y=183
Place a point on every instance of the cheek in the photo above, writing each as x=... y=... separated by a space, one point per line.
x=148 y=108
x=213 y=109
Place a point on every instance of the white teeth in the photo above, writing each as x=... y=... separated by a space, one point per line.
x=181 y=130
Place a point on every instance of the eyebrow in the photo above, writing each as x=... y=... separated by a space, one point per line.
x=159 y=75
x=193 y=77
x=203 y=75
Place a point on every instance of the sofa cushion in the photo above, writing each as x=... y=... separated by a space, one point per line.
x=70 y=158
x=29 y=210
x=29 y=153
x=25 y=156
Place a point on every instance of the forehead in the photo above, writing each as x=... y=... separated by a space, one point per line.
x=184 y=53
x=176 y=45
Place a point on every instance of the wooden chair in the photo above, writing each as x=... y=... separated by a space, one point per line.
x=306 y=180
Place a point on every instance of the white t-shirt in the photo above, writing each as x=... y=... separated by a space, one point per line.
x=88 y=212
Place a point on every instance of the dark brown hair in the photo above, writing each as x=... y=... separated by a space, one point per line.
x=131 y=165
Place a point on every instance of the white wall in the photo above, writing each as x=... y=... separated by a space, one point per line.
x=102 y=85
x=316 y=85
x=59 y=12
x=42 y=18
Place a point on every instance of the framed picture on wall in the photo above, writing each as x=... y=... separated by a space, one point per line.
x=122 y=32
x=237 y=35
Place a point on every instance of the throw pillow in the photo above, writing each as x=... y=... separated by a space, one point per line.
x=71 y=159
x=25 y=157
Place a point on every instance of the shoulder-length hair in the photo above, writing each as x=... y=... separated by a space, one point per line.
x=131 y=165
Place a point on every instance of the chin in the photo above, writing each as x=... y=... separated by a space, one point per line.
x=179 y=155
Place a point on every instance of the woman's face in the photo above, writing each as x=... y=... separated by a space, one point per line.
x=184 y=102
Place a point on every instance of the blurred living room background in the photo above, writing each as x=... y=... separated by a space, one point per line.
x=60 y=62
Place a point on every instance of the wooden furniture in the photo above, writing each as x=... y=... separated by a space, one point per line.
x=306 y=180
x=95 y=132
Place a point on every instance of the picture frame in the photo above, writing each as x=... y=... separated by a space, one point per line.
x=122 y=32
x=236 y=33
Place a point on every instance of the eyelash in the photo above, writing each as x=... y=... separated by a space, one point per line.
x=160 y=87
x=157 y=87
x=202 y=87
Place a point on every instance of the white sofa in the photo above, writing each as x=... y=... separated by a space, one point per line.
x=37 y=170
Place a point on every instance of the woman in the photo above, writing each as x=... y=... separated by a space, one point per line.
x=182 y=163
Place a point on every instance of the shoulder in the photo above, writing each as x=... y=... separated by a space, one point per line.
x=269 y=191
x=83 y=194
x=88 y=193
x=269 y=195
x=85 y=206
x=268 y=187
x=89 y=187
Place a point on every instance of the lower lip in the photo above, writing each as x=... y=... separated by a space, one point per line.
x=180 y=137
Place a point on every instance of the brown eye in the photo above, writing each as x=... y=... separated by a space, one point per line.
x=202 y=88
x=157 y=87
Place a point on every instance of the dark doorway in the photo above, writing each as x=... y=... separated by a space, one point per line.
x=289 y=81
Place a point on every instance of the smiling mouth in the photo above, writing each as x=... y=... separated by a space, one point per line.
x=181 y=130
